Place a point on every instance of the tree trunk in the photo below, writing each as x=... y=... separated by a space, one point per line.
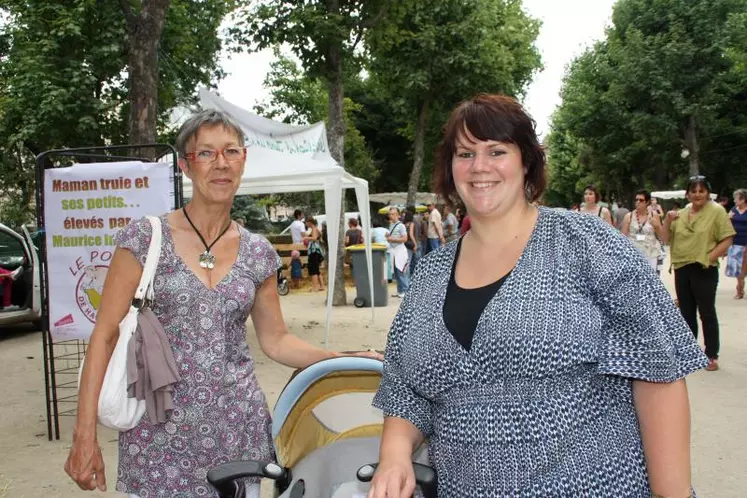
x=144 y=31
x=419 y=151
x=337 y=149
x=691 y=142
x=662 y=182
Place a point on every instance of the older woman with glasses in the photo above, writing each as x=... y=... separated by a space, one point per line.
x=735 y=262
x=211 y=276
x=642 y=226
x=699 y=235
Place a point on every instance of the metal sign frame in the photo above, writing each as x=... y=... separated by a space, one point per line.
x=63 y=358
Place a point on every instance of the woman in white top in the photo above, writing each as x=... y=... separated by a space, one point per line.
x=643 y=226
x=591 y=204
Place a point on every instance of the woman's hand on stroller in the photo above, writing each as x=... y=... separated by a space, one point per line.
x=85 y=464
x=393 y=479
x=371 y=353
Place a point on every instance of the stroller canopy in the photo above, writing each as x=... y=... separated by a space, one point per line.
x=326 y=402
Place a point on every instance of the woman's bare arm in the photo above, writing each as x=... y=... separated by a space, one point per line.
x=720 y=249
x=273 y=335
x=607 y=216
x=625 y=229
x=664 y=419
x=395 y=477
x=84 y=460
x=122 y=280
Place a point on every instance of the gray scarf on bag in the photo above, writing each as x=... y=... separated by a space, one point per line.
x=151 y=369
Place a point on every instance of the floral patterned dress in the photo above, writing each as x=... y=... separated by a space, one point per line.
x=221 y=413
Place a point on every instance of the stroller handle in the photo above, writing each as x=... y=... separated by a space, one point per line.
x=425 y=477
x=224 y=478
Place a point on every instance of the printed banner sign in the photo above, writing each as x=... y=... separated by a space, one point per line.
x=85 y=205
x=309 y=140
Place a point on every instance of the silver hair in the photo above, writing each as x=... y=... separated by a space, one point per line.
x=206 y=117
x=741 y=193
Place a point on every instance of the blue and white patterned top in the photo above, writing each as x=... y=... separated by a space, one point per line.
x=541 y=406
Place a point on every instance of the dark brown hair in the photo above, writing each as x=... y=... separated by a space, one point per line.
x=597 y=195
x=491 y=117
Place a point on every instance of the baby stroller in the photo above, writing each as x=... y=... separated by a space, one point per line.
x=326 y=436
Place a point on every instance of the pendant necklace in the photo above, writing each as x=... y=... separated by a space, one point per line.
x=207 y=258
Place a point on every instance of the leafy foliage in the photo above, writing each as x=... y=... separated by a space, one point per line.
x=298 y=98
x=434 y=54
x=324 y=35
x=63 y=75
x=309 y=29
x=669 y=76
x=252 y=212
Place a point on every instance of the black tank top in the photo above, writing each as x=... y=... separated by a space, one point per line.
x=463 y=307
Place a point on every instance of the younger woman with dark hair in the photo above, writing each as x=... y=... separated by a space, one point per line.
x=538 y=354
x=591 y=204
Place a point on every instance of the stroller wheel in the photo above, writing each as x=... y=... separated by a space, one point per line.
x=283 y=288
x=358 y=302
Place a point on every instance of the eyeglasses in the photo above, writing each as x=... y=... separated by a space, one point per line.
x=640 y=200
x=698 y=179
x=230 y=154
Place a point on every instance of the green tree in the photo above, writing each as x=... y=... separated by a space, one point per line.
x=144 y=20
x=669 y=77
x=61 y=76
x=381 y=126
x=440 y=52
x=298 y=98
x=671 y=52
x=324 y=35
x=252 y=211
x=567 y=175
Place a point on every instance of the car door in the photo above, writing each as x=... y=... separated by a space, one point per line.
x=36 y=272
x=16 y=250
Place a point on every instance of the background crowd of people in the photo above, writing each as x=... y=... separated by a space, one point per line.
x=699 y=235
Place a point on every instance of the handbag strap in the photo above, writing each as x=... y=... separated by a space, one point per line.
x=145 y=287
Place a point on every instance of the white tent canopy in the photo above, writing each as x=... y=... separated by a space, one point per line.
x=400 y=198
x=673 y=194
x=287 y=158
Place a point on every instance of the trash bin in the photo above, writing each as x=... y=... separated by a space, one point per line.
x=360 y=275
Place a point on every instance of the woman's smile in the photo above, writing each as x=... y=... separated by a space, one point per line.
x=482 y=185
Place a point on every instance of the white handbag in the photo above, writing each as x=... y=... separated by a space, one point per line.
x=115 y=409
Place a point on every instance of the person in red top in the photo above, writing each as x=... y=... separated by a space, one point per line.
x=7 y=278
x=464 y=227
